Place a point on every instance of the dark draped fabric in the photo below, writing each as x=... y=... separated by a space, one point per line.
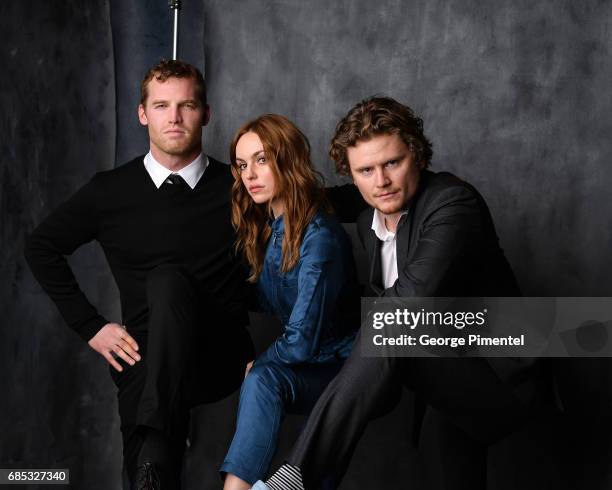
x=142 y=35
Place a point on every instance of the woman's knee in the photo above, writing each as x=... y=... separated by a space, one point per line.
x=268 y=378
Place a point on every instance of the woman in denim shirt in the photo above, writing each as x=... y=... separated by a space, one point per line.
x=302 y=262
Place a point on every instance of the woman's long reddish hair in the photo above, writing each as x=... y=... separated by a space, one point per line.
x=298 y=185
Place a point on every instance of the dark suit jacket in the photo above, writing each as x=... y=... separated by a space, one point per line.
x=446 y=245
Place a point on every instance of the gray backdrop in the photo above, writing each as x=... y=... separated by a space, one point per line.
x=515 y=96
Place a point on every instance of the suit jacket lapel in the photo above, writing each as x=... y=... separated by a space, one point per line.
x=402 y=239
x=372 y=246
x=375 y=266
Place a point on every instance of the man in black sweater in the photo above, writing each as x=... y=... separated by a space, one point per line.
x=163 y=221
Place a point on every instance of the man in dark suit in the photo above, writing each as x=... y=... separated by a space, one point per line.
x=426 y=234
x=163 y=221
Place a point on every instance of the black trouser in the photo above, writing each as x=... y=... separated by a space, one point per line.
x=473 y=408
x=190 y=355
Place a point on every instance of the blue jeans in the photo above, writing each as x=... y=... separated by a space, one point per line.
x=269 y=391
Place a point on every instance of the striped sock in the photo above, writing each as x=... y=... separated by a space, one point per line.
x=287 y=477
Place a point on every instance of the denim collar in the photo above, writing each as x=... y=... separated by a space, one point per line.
x=277 y=225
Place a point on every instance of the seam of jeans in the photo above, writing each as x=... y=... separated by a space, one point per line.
x=267 y=455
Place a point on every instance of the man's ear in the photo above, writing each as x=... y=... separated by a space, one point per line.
x=420 y=164
x=206 y=115
x=142 y=117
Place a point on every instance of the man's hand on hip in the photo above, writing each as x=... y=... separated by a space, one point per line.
x=112 y=337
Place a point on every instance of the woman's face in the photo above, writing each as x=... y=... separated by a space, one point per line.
x=255 y=169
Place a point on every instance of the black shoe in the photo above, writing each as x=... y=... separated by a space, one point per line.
x=147 y=477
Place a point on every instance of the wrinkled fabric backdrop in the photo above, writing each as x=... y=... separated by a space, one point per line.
x=515 y=96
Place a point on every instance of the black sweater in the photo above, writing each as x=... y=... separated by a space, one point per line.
x=139 y=228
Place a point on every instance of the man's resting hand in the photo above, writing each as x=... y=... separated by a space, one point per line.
x=112 y=337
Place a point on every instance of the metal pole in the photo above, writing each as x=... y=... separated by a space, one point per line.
x=176 y=6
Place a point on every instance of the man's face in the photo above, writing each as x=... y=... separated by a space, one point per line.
x=175 y=116
x=384 y=171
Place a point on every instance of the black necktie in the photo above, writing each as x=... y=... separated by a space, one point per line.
x=176 y=180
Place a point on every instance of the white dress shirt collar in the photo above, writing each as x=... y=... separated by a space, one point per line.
x=388 y=249
x=379 y=227
x=192 y=173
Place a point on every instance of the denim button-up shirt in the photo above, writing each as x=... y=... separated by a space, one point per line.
x=317 y=301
